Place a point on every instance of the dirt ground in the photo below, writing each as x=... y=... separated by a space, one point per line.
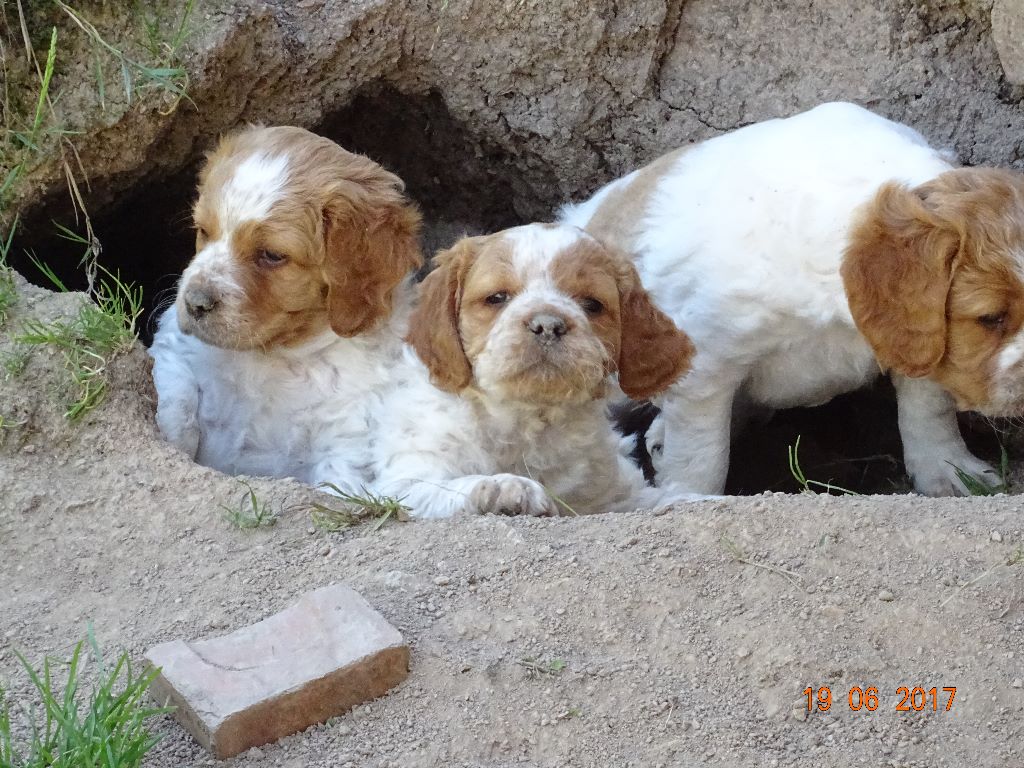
x=687 y=638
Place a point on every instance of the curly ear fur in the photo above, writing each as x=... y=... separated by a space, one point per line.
x=897 y=272
x=653 y=352
x=371 y=241
x=434 y=324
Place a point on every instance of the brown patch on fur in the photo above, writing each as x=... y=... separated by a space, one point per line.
x=619 y=218
x=434 y=324
x=588 y=270
x=453 y=320
x=650 y=351
x=924 y=267
x=349 y=234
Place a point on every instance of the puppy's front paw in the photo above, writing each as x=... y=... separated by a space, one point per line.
x=937 y=475
x=179 y=426
x=510 y=495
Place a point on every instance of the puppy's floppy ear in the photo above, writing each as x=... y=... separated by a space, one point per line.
x=371 y=234
x=653 y=352
x=434 y=325
x=897 y=272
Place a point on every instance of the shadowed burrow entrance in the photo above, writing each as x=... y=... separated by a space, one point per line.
x=464 y=185
x=461 y=186
x=851 y=442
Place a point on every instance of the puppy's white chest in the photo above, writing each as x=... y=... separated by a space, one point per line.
x=812 y=368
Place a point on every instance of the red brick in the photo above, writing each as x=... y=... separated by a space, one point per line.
x=317 y=659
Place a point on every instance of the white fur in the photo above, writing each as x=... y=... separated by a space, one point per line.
x=256 y=184
x=480 y=451
x=741 y=245
x=306 y=412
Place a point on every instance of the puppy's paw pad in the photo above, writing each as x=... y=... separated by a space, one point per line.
x=510 y=495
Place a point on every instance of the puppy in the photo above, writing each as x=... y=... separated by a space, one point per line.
x=804 y=255
x=285 y=327
x=502 y=406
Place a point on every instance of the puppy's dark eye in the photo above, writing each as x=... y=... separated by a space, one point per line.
x=591 y=306
x=270 y=258
x=497 y=299
x=993 y=321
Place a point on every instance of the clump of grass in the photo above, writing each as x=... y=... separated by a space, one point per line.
x=357 y=508
x=162 y=75
x=801 y=478
x=978 y=486
x=250 y=511
x=109 y=731
x=536 y=667
x=26 y=137
x=98 y=333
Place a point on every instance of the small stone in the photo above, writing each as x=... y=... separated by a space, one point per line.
x=886 y=596
x=29 y=449
x=312 y=661
x=996 y=536
x=442 y=581
x=325 y=551
x=743 y=653
x=1017 y=683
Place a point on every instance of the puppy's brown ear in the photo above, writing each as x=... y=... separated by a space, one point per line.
x=371 y=234
x=897 y=272
x=653 y=351
x=434 y=325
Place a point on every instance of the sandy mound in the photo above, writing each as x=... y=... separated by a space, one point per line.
x=625 y=640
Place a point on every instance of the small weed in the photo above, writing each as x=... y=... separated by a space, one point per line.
x=8 y=293
x=99 y=333
x=805 y=484
x=1013 y=559
x=357 y=509
x=740 y=556
x=977 y=486
x=6 y=423
x=250 y=511
x=110 y=732
x=537 y=667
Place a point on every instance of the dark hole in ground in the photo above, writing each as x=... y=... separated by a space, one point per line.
x=461 y=186
x=147 y=238
x=465 y=186
x=851 y=442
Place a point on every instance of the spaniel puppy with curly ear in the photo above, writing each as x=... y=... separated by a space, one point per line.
x=806 y=256
x=291 y=314
x=513 y=350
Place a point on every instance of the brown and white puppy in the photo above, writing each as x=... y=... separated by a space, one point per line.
x=514 y=347
x=272 y=359
x=806 y=255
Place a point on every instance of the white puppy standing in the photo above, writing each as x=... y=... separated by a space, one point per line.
x=290 y=316
x=804 y=255
x=500 y=405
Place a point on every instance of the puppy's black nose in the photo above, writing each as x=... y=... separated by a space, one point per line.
x=199 y=301
x=547 y=327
